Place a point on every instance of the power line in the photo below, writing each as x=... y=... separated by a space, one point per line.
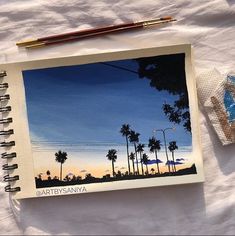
x=119 y=67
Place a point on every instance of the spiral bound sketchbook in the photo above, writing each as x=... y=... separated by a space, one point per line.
x=102 y=122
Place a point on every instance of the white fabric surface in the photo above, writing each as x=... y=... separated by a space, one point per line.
x=186 y=209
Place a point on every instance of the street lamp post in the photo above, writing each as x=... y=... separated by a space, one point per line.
x=164 y=137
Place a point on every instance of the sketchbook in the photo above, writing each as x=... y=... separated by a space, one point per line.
x=102 y=122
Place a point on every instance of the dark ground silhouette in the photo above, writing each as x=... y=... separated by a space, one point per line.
x=52 y=182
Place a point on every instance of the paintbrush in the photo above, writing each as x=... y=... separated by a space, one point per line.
x=89 y=33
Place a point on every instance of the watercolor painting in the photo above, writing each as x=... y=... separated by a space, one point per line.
x=110 y=121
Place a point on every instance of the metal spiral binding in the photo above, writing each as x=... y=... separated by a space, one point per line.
x=7 y=132
x=5 y=109
x=3 y=73
x=4 y=97
x=8 y=144
x=9 y=167
x=6 y=120
x=8 y=178
x=8 y=155
x=8 y=188
x=4 y=86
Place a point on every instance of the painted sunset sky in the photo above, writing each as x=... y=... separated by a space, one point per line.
x=80 y=110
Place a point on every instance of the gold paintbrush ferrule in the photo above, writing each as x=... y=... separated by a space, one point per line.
x=36 y=45
x=26 y=42
x=156 y=22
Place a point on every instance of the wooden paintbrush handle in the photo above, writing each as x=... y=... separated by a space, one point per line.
x=86 y=31
x=90 y=35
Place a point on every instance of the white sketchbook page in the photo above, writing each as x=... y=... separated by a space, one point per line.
x=20 y=125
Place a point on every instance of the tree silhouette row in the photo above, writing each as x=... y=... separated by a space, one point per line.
x=154 y=145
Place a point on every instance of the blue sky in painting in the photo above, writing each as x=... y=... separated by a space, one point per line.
x=89 y=103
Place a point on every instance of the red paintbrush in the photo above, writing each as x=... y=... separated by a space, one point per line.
x=73 y=36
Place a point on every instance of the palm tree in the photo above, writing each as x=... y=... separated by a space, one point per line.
x=154 y=146
x=145 y=161
x=125 y=131
x=134 y=138
x=61 y=157
x=172 y=147
x=112 y=156
x=152 y=170
x=48 y=175
x=40 y=176
x=132 y=157
x=140 y=149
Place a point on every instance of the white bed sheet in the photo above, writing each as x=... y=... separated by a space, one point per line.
x=186 y=209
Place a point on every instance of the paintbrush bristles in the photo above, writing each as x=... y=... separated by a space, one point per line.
x=26 y=42
x=156 y=22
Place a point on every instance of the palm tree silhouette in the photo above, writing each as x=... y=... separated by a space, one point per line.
x=125 y=131
x=172 y=147
x=140 y=149
x=112 y=156
x=48 y=175
x=154 y=146
x=61 y=157
x=134 y=138
x=132 y=157
x=145 y=161
x=152 y=170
